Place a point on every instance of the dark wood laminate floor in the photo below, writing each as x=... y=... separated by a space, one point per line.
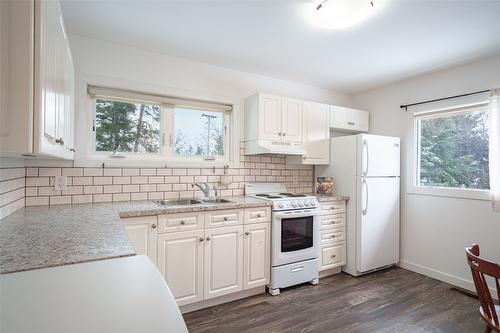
x=394 y=300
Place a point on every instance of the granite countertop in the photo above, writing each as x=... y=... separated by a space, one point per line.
x=47 y=236
x=331 y=197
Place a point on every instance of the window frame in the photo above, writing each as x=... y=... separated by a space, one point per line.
x=87 y=156
x=416 y=188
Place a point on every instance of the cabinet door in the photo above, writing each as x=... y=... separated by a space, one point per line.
x=180 y=261
x=269 y=117
x=142 y=234
x=339 y=117
x=256 y=265
x=223 y=264
x=316 y=133
x=291 y=120
x=332 y=256
x=359 y=120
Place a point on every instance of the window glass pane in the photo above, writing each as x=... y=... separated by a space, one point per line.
x=127 y=127
x=454 y=151
x=199 y=133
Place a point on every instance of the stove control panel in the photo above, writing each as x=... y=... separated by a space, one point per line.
x=296 y=203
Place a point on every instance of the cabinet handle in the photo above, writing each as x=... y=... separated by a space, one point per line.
x=153 y=226
x=182 y=222
x=202 y=239
x=332 y=236
x=247 y=233
x=60 y=141
x=351 y=123
x=208 y=239
x=332 y=256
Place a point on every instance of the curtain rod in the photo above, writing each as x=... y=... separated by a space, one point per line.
x=442 y=99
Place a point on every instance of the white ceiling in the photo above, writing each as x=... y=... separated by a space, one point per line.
x=276 y=38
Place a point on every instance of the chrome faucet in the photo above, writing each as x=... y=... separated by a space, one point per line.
x=204 y=187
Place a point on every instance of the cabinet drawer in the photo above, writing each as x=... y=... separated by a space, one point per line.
x=180 y=222
x=220 y=218
x=332 y=236
x=332 y=207
x=332 y=221
x=257 y=215
x=332 y=256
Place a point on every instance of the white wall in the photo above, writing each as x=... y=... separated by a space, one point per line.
x=435 y=230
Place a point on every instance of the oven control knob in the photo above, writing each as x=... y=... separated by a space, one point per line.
x=301 y=203
x=312 y=202
x=306 y=203
x=280 y=204
x=294 y=204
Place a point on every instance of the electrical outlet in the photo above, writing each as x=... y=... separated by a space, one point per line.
x=60 y=183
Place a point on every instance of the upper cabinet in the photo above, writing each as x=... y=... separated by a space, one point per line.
x=342 y=118
x=37 y=90
x=316 y=135
x=273 y=124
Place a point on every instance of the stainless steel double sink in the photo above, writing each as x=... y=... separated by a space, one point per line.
x=192 y=201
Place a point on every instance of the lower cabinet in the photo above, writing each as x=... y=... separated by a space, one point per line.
x=257 y=256
x=332 y=251
x=223 y=261
x=142 y=235
x=210 y=261
x=180 y=261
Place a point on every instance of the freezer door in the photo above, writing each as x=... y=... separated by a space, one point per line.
x=378 y=156
x=377 y=225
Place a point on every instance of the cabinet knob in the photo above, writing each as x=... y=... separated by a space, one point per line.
x=72 y=150
x=153 y=226
x=201 y=239
x=182 y=222
x=247 y=233
x=284 y=134
x=332 y=236
x=208 y=239
x=225 y=218
x=258 y=215
x=280 y=134
x=60 y=141
x=351 y=123
x=332 y=256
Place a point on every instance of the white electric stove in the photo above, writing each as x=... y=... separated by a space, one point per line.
x=294 y=235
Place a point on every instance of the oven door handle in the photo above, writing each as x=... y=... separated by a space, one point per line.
x=300 y=213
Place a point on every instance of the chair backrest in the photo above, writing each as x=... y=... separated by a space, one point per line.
x=479 y=268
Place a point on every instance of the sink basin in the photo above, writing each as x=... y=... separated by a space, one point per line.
x=215 y=201
x=178 y=202
x=187 y=202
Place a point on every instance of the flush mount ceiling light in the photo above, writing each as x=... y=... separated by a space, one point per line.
x=340 y=14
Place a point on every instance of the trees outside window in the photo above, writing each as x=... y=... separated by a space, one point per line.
x=453 y=150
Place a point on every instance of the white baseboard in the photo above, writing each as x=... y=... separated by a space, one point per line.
x=438 y=275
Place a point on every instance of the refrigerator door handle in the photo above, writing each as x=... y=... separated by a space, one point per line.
x=365 y=186
x=365 y=160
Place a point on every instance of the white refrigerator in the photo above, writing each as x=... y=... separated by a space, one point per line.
x=367 y=169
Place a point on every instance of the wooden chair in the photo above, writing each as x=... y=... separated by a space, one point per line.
x=481 y=268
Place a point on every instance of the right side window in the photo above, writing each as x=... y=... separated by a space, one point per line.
x=452 y=148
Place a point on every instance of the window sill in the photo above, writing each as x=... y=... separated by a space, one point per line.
x=450 y=192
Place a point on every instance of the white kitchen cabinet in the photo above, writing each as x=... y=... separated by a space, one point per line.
x=142 y=233
x=180 y=261
x=291 y=120
x=37 y=106
x=348 y=119
x=223 y=266
x=256 y=252
x=332 y=252
x=316 y=135
x=273 y=124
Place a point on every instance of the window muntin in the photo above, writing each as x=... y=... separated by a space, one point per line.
x=127 y=127
x=452 y=149
x=199 y=133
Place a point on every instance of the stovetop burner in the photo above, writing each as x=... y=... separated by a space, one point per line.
x=262 y=195
x=274 y=197
x=293 y=195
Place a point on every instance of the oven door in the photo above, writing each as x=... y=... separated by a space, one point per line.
x=295 y=236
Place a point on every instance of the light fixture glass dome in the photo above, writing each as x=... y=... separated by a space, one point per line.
x=340 y=14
